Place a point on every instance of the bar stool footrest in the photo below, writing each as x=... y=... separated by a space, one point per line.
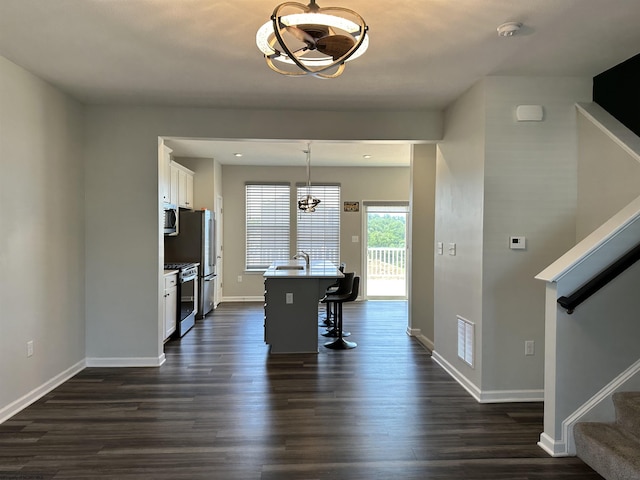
x=340 y=344
x=333 y=333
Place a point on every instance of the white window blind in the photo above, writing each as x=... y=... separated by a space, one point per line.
x=318 y=232
x=267 y=224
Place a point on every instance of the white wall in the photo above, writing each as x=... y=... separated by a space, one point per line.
x=496 y=178
x=530 y=190
x=608 y=178
x=458 y=219
x=357 y=184
x=42 y=241
x=421 y=284
x=122 y=201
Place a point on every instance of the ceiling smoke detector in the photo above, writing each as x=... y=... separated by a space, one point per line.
x=509 y=29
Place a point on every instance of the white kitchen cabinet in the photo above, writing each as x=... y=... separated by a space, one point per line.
x=164 y=171
x=181 y=186
x=185 y=189
x=170 y=304
x=174 y=176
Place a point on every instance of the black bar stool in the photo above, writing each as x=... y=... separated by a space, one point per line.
x=345 y=285
x=328 y=322
x=340 y=343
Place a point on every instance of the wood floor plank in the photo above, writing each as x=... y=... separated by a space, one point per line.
x=223 y=408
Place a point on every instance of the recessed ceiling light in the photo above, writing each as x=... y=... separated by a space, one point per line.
x=237 y=154
x=509 y=29
x=366 y=156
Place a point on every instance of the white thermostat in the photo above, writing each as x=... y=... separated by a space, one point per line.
x=517 y=243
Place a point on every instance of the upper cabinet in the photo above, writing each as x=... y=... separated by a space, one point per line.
x=165 y=173
x=176 y=181
x=181 y=185
x=174 y=175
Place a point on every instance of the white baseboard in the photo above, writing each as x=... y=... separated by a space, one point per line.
x=126 y=361
x=39 y=392
x=488 y=396
x=511 y=396
x=457 y=376
x=552 y=447
x=413 y=332
x=417 y=334
x=243 y=299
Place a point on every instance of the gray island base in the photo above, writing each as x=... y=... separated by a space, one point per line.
x=292 y=292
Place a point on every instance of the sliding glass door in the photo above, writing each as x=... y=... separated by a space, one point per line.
x=386 y=250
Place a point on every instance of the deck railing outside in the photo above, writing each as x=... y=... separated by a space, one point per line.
x=386 y=272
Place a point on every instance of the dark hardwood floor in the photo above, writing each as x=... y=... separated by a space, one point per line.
x=223 y=408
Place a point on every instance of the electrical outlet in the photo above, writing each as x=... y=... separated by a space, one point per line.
x=30 y=348
x=355 y=238
x=239 y=278
x=529 y=347
x=288 y=298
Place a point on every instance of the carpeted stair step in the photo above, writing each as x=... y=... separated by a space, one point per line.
x=627 y=406
x=609 y=449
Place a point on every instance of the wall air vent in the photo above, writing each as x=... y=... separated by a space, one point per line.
x=466 y=336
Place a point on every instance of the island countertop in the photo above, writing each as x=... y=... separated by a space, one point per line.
x=291 y=295
x=298 y=269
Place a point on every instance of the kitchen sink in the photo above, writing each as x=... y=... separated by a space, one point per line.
x=289 y=267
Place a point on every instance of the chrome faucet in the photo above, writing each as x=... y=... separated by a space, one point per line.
x=304 y=255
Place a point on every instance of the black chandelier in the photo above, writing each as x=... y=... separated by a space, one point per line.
x=308 y=203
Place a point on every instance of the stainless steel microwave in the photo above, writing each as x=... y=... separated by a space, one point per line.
x=171 y=218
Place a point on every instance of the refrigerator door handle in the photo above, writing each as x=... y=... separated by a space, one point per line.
x=212 y=254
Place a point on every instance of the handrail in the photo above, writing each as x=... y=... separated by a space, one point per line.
x=600 y=280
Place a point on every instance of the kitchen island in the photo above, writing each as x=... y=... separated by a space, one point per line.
x=291 y=294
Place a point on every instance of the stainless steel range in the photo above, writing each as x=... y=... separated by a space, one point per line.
x=187 y=293
x=186 y=270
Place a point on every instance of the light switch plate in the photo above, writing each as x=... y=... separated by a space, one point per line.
x=452 y=249
x=355 y=238
x=529 y=347
x=440 y=248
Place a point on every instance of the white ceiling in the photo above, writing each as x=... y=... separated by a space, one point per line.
x=423 y=53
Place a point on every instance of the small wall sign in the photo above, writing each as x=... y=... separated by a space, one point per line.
x=351 y=206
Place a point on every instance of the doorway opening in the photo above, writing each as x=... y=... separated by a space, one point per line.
x=385 y=233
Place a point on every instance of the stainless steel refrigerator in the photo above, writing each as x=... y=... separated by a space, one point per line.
x=195 y=242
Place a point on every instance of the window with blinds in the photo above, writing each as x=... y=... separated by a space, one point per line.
x=318 y=233
x=267 y=224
